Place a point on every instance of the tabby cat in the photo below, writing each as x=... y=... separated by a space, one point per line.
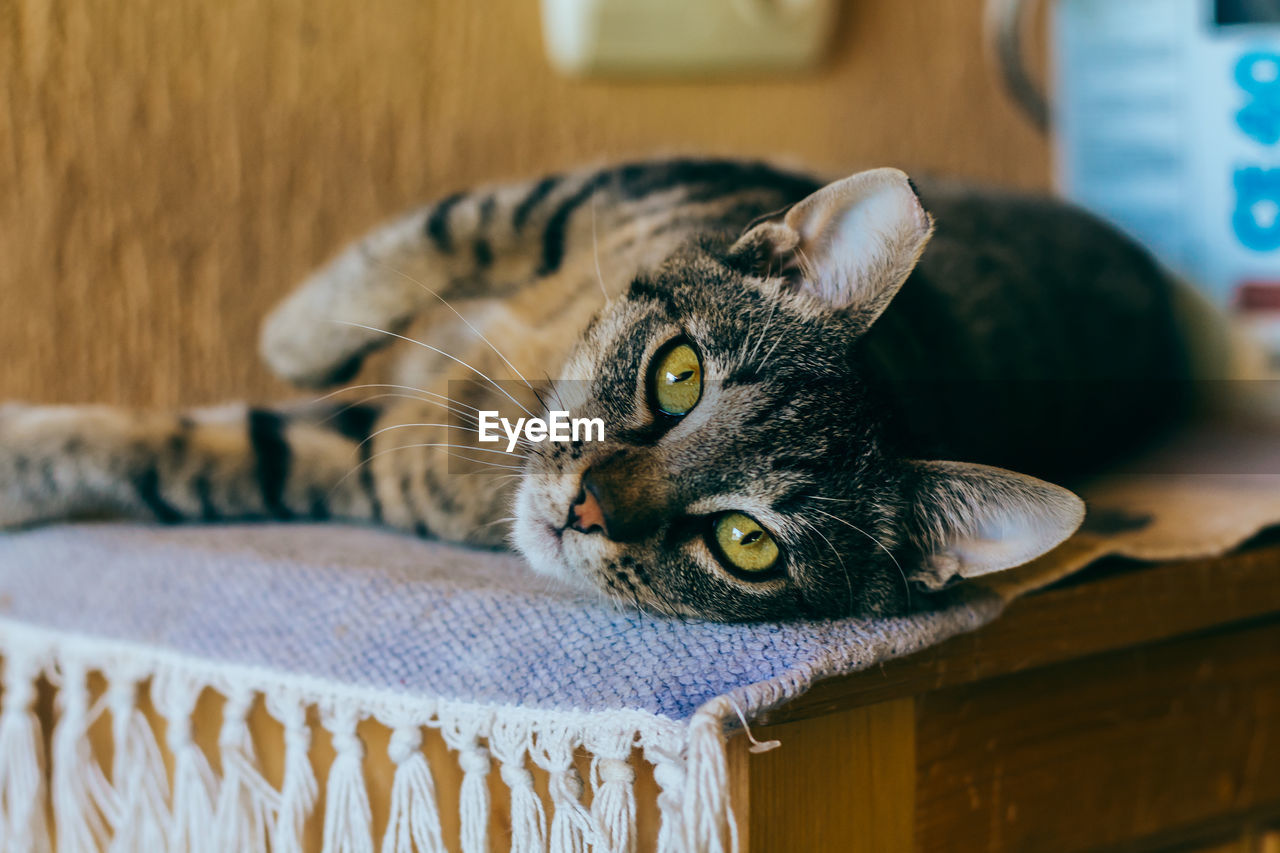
x=779 y=365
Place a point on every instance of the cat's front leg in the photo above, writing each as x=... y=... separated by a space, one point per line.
x=229 y=463
x=65 y=461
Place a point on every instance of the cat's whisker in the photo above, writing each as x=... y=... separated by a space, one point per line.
x=488 y=463
x=371 y=397
x=379 y=432
x=500 y=478
x=764 y=332
x=449 y=356
x=635 y=599
x=595 y=249
x=489 y=524
x=807 y=266
x=485 y=389
x=348 y=389
x=769 y=354
x=906 y=583
x=363 y=462
x=467 y=322
x=523 y=442
x=555 y=393
x=844 y=569
x=746 y=339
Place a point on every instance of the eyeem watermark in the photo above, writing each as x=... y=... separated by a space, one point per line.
x=558 y=427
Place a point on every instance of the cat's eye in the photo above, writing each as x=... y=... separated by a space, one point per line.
x=675 y=379
x=744 y=544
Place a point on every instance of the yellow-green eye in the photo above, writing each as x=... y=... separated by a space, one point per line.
x=744 y=543
x=676 y=379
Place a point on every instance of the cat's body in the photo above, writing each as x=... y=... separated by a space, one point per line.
x=807 y=415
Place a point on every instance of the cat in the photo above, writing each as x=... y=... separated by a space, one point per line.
x=818 y=399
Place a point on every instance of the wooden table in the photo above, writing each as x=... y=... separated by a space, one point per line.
x=1131 y=708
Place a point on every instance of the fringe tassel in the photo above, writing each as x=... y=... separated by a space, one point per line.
x=23 y=828
x=573 y=830
x=347 y=819
x=708 y=819
x=509 y=742
x=414 y=820
x=299 y=789
x=131 y=811
x=246 y=802
x=613 y=804
x=77 y=820
x=668 y=772
x=473 y=802
x=138 y=777
x=194 y=785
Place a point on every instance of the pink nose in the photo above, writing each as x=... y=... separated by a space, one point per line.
x=586 y=515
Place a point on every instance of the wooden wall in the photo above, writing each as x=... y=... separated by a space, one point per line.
x=169 y=167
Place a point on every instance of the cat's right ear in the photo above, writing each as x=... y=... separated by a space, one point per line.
x=848 y=246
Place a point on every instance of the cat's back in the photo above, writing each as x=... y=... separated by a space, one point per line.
x=1031 y=335
x=1044 y=289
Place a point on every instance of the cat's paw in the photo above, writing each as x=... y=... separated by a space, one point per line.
x=37 y=445
x=16 y=510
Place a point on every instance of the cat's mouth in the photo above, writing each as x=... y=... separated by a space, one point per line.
x=557 y=537
x=553 y=538
x=539 y=538
x=547 y=539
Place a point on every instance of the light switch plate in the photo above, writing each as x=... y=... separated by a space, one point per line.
x=661 y=37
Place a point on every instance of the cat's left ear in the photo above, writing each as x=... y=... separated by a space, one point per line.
x=850 y=245
x=970 y=520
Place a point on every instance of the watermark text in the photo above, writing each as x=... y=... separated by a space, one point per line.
x=558 y=426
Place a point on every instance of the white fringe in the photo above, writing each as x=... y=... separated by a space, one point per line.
x=669 y=773
x=463 y=735
x=414 y=819
x=573 y=829
x=347 y=819
x=509 y=741
x=139 y=810
x=22 y=819
x=708 y=818
x=299 y=788
x=246 y=803
x=79 y=785
x=233 y=807
x=613 y=780
x=194 y=785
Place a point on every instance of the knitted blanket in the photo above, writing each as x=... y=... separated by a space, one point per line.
x=362 y=623
x=513 y=672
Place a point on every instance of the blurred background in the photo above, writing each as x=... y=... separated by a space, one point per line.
x=169 y=168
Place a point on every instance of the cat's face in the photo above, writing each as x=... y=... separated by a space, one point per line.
x=742 y=475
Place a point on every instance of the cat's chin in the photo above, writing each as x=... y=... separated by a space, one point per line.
x=541 y=543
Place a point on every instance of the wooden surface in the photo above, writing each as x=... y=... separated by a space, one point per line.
x=843 y=782
x=1135 y=709
x=1105 y=750
x=1103 y=610
x=169 y=167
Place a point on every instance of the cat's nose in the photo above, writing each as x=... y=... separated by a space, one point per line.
x=585 y=515
x=621 y=505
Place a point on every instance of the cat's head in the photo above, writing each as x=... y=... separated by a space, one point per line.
x=744 y=474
